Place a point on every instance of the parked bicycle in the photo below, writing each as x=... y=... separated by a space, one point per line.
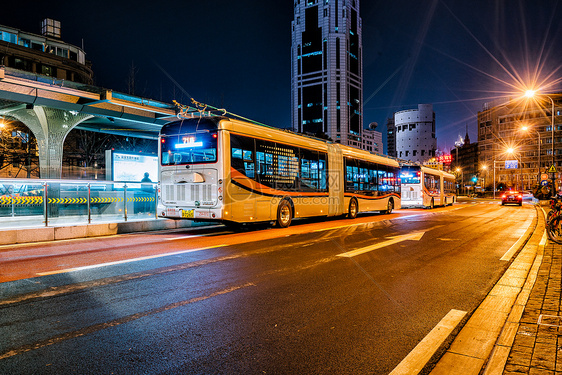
x=554 y=220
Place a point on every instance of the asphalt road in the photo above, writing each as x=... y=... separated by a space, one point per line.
x=321 y=297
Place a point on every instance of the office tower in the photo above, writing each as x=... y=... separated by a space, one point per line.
x=327 y=70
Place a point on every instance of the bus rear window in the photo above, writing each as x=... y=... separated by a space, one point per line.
x=189 y=148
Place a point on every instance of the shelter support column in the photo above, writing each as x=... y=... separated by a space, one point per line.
x=50 y=127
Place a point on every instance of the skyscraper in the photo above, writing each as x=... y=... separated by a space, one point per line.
x=327 y=70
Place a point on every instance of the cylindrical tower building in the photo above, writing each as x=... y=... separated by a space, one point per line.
x=415 y=133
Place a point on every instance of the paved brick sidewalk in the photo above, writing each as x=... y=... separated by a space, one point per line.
x=537 y=348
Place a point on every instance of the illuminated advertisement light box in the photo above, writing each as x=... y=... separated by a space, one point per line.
x=130 y=167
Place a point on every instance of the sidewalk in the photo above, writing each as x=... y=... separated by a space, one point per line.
x=518 y=327
x=29 y=233
x=537 y=347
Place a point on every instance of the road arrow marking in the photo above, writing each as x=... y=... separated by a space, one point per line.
x=416 y=236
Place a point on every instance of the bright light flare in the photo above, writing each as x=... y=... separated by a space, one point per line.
x=530 y=93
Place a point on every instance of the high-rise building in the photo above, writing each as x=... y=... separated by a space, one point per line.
x=415 y=133
x=327 y=70
x=390 y=137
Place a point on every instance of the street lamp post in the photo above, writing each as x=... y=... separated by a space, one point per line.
x=495 y=177
x=484 y=168
x=512 y=152
x=462 y=178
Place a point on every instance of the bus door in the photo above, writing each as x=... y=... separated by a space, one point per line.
x=335 y=181
x=243 y=186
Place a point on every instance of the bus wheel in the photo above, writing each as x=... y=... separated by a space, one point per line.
x=389 y=206
x=432 y=204
x=353 y=208
x=284 y=214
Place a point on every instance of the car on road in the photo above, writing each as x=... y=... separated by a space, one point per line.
x=512 y=196
x=527 y=196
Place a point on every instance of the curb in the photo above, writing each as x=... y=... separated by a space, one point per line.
x=55 y=233
x=484 y=342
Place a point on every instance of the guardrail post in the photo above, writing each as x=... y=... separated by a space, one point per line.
x=125 y=201
x=89 y=198
x=12 y=200
x=155 y=201
x=45 y=204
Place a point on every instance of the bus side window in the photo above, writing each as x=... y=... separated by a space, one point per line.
x=310 y=170
x=322 y=176
x=349 y=174
x=242 y=151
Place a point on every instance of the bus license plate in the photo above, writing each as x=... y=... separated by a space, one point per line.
x=187 y=214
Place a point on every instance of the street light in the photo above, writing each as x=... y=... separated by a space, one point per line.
x=484 y=168
x=495 y=177
x=462 y=178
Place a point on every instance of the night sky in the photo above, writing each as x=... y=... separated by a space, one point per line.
x=455 y=54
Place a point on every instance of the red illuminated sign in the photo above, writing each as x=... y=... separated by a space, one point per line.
x=445 y=159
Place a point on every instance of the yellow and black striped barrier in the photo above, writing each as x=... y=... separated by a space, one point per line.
x=35 y=200
x=106 y=200
x=8 y=200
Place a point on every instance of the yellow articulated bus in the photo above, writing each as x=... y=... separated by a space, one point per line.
x=426 y=187
x=232 y=171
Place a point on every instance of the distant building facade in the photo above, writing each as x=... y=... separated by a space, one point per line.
x=415 y=133
x=327 y=70
x=465 y=165
x=44 y=54
x=391 y=137
x=372 y=141
x=500 y=126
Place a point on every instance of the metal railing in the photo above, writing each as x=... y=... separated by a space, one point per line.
x=32 y=202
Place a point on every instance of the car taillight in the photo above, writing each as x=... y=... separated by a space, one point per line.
x=520 y=196
x=503 y=196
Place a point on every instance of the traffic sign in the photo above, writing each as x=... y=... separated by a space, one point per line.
x=511 y=164
x=544 y=182
x=544 y=176
x=552 y=169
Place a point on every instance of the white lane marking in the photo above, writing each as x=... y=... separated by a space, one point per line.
x=422 y=353
x=186 y=237
x=124 y=261
x=340 y=226
x=517 y=245
x=416 y=236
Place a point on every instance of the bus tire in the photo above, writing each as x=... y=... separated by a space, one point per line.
x=284 y=214
x=353 y=209
x=389 y=206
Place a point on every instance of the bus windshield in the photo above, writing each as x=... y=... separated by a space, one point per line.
x=189 y=141
x=410 y=175
x=189 y=148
